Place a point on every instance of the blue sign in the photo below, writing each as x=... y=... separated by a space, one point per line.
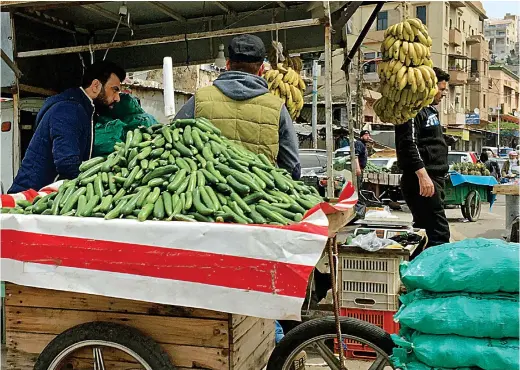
x=472 y=118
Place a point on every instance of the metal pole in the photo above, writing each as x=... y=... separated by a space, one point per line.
x=314 y=121
x=498 y=132
x=328 y=111
x=359 y=92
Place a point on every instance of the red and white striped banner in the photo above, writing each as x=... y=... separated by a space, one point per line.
x=9 y=200
x=253 y=270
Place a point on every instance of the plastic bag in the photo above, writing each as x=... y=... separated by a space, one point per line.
x=453 y=351
x=404 y=361
x=371 y=242
x=471 y=265
x=128 y=105
x=466 y=314
x=106 y=134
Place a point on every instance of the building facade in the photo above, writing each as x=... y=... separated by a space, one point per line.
x=504 y=91
x=459 y=47
x=503 y=38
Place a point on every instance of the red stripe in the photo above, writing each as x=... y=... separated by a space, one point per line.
x=30 y=194
x=167 y=263
x=8 y=201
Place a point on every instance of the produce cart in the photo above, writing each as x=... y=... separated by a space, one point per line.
x=468 y=192
x=511 y=192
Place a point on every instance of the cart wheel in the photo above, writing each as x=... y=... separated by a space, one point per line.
x=127 y=342
x=318 y=338
x=472 y=206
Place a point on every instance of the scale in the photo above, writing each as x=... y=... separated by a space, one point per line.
x=384 y=228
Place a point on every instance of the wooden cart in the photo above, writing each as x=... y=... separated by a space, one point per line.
x=193 y=338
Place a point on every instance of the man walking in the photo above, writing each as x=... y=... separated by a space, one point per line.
x=64 y=133
x=422 y=155
x=241 y=106
x=361 y=154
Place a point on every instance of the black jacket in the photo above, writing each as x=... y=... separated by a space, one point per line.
x=420 y=143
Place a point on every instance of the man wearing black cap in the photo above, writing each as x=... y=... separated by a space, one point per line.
x=241 y=106
x=361 y=153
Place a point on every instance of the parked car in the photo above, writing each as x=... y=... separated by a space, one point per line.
x=383 y=162
x=314 y=170
x=492 y=149
x=461 y=157
x=504 y=152
x=342 y=152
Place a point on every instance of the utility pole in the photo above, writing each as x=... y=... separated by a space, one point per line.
x=359 y=94
x=498 y=130
x=314 y=120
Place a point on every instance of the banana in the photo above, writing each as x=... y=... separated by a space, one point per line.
x=402 y=55
x=407 y=27
x=418 y=50
x=422 y=39
x=397 y=96
x=401 y=73
x=276 y=92
x=287 y=76
x=389 y=68
x=396 y=46
x=300 y=106
x=389 y=41
x=301 y=83
x=392 y=81
x=297 y=94
x=411 y=79
x=433 y=92
x=411 y=52
x=385 y=89
x=405 y=46
x=429 y=63
x=425 y=73
x=275 y=83
x=429 y=40
x=283 y=91
x=408 y=61
x=402 y=82
x=400 y=28
x=397 y=67
x=415 y=22
x=288 y=94
x=406 y=35
x=421 y=86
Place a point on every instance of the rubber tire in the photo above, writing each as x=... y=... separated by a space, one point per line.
x=327 y=325
x=463 y=210
x=129 y=337
x=469 y=199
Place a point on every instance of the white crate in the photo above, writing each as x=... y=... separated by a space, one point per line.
x=369 y=282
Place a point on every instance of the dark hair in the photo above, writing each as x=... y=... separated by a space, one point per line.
x=102 y=71
x=248 y=67
x=441 y=75
x=484 y=157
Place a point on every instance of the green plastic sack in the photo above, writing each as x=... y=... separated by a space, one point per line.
x=106 y=134
x=402 y=360
x=453 y=351
x=471 y=265
x=128 y=105
x=467 y=314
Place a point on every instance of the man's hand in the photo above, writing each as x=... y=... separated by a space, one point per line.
x=358 y=167
x=427 y=189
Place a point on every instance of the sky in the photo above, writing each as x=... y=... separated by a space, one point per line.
x=497 y=9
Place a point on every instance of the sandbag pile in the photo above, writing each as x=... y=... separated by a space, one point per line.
x=461 y=310
x=408 y=82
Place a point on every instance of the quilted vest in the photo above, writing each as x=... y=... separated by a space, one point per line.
x=253 y=123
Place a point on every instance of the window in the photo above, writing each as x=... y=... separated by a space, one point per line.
x=382 y=21
x=484 y=100
x=420 y=13
x=447 y=15
x=463 y=26
x=490 y=83
x=370 y=67
x=369 y=56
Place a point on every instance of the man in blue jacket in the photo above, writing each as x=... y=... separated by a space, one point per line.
x=64 y=133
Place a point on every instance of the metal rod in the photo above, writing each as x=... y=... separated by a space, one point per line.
x=314 y=121
x=172 y=39
x=166 y=10
x=362 y=35
x=328 y=109
x=225 y=8
x=11 y=64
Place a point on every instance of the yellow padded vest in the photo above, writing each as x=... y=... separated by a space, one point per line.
x=253 y=123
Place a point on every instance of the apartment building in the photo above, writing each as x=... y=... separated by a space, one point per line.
x=459 y=46
x=503 y=92
x=503 y=38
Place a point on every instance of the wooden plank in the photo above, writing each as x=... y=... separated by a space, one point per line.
x=172 y=330
x=506 y=189
x=36 y=90
x=243 y=349
x=181 y=356
x=241 y=329
x=17 y=360
x=23 y=296
x=260 y=356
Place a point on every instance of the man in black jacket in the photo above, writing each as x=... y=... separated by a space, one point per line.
x=422 y=155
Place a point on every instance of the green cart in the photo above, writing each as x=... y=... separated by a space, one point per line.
x=468 y=192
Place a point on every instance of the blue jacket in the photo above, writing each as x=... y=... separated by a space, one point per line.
x=62 y=140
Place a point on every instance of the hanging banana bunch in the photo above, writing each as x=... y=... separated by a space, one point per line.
x=407 y=80
x=285 y=81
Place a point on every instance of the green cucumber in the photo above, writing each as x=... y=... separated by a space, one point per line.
x=279 y=181
x=116 y=212
x=181 y=163
x=182 y=149
x=192 y=164
x=87 y=180
x=264 y=160
x=91 y=163
x=201 y=179
x=224 y=188
x=143 y=154
x=207 y=153
x=199 y=205
x=201 y=218
x=106 y=203
x=184 y=185
x=265 y=177
x=177 y=204
x=165 y=130
x=131 y=177
x=71 y=201
x=90 y=189
x=201 y=160
x=143 y=194
x=120 y=194
x=159 y=172
x=153 y=196
x=193 y=182
x=159 y=141
x=253 y=198
x=189 y=201
x=259 y=181
x=238 y=218
x=257 y=217
x=197 y=140
x=186 y=135
x=222 y=199
x=237 y=186
x=213 y=197
x=211 y=168
x=89 y=207
x=145 y=212
x=241 y=203
x=177 y=180
x=209 y=176
x=183 y=218
x=137 y=138
x=56 y=205
x=156 y=153
x=271 y=215
x=112 y=183
x=176 y=135
x=158 y=209
x=23 y=203
x=158 y=181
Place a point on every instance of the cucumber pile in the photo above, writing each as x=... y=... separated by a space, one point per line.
x=184 y=171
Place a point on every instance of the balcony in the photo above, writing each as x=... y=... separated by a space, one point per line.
x=474 y=39
x=456 y=118
x=458 y=77
x=474 y=76
x=457 y=4
x=455 y=37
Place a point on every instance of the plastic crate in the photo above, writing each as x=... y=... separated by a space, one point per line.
x=382 y=319
x=369 y=282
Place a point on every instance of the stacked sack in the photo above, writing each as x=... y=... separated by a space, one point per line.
x=461 y=310
x=408 y=82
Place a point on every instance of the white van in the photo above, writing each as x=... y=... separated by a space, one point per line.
x=13 y=143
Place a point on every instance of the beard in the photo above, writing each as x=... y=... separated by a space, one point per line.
x=101 y=103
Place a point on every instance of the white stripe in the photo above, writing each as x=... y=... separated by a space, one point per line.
x=163 y=291
x=413 y=139
x=264 y=243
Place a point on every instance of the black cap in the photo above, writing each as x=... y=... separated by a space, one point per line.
x=246 y=48
x=364 y=132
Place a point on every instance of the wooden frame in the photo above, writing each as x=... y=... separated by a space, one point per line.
x=193 y=338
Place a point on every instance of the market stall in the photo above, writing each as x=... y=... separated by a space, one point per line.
x=511 y=192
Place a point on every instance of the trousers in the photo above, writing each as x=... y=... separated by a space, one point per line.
x=428 y=212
